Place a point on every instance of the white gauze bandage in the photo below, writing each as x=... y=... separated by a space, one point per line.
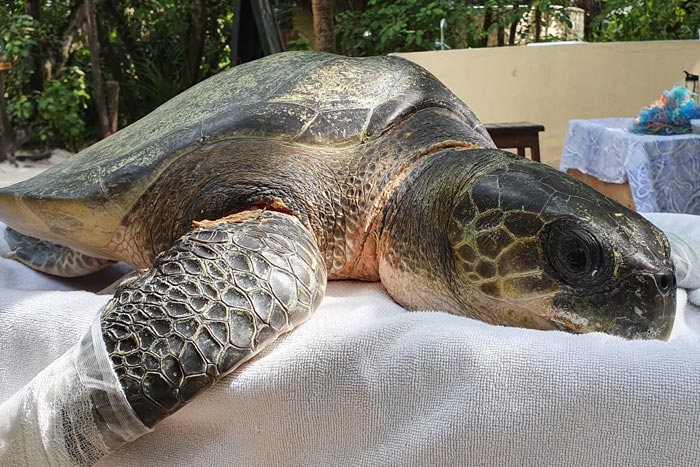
x=74 y=412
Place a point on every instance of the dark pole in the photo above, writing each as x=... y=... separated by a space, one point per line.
x=268 y=29
x=255 y=32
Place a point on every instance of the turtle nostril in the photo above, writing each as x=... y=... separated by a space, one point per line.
x=665 y=281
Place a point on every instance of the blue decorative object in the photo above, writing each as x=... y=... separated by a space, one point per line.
x=669 y=115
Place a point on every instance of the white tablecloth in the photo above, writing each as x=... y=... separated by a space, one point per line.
x=663 y=171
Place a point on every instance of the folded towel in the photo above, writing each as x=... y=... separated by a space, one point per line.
x=364 y=382
x=683 y=233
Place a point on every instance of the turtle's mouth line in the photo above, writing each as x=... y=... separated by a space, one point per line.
x=567 y=322
x=621 y=326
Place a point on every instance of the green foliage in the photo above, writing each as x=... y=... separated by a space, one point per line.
x=153 y=80
x=151 y=40
x=147 y=46
x=645 y=20
x=61 y=110
x=150 y=43
x=54 y=115
x=17 y=37
x=217 y=46
x=16 y=43
x=414 y=25
x=298 y=44
x=400 y=26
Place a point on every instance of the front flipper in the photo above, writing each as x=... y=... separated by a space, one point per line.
x=208 y=304
x=51 y=258
x=211 y=302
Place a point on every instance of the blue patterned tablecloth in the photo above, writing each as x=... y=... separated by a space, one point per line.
x=663 y=171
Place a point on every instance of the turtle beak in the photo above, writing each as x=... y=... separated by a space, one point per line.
x=655 y=320
x=642 y=307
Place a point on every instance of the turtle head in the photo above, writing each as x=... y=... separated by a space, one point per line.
x=494 y=236
x=536 y=248
x=611 y=277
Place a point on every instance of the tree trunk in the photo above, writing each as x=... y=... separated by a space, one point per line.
x=8 y=142
x=323 y=25
x=513 y=31
x=488 y=22
x=195 y=44
x=112 y=91
x=538 y=23
x=116 y=18
x=94 y=44
x=58 y=56
x=514 y=23
x=36 y=79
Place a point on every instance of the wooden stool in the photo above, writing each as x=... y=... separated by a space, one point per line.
x=518 y=135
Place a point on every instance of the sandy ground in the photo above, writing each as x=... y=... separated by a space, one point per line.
x=10 y=174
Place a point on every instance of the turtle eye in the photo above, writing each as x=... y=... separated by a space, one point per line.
x=577 y=255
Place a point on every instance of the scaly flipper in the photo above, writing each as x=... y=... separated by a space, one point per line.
x=213 y=300
x=51 y=258
x=209 y=303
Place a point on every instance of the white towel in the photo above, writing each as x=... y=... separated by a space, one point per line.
x=365 y=382
x=683 y=231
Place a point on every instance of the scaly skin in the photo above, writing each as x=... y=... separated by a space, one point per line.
x=51 y=258
x=210 y=302
x=336 y=193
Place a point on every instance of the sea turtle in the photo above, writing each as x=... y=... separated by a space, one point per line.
x=242 y=195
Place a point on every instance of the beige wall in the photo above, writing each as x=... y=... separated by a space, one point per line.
x=553 y=84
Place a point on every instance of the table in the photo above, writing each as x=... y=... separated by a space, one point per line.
x=518 y=135
x=663 y=172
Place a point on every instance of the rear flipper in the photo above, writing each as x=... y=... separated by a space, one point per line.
x=51 y=258
x=208 y=304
